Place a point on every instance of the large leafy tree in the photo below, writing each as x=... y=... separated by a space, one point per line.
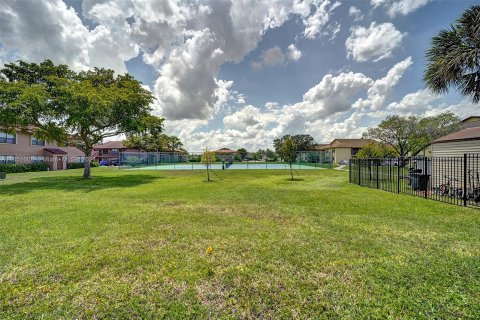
x=409 y=135
x=304 y=142
x=77 y=109
x=454 y=57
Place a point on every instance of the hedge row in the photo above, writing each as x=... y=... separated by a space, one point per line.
x=34 y=167
x=23 y=167
x=78 y=165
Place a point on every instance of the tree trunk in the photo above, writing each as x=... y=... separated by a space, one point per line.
x=208 y=174
x=86 y=169
x=291 y=171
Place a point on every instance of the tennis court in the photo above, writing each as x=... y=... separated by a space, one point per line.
x=234 y=166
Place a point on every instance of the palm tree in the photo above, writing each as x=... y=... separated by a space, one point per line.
x=454 y=58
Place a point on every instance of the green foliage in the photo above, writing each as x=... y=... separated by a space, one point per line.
x=376 y=150
x=288 y=152
x=23 y=167
x=270 y=155
x=194 y=158
x=153 y=142
x=409 y=135
x=75 y=109
x=208 y=157
x=78 y=165
x=453 y=59
x=242 y=152
x=304 y=142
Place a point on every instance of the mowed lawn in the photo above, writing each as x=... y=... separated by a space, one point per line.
x=132 y=244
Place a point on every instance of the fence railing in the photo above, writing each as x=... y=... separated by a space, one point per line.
x=183 y=161
x=453 y=180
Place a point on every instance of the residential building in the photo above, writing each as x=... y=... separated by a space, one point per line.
x=23 y=147
x=225 y=154
x=110 y=151
x=456 y=144
x=470 y=122
x=343 y=149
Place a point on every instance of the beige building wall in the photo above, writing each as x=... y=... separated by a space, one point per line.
x=23 y=151
x=455 y=148
x=342 y=154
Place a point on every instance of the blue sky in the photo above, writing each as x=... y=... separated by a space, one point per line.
x=241 y=74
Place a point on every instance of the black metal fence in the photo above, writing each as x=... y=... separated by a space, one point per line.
x=454 y=180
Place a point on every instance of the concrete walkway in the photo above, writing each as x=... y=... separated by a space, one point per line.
x=341 y=167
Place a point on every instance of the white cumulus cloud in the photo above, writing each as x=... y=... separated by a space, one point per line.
x=355 y=13
x=293 y=52
x=375 y=43
x=402 y=7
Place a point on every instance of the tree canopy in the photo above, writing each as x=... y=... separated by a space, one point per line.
x=304 y=142
x=242 y=152
x=77 y=109
x=408 y=135
x=453 y=59
x=153 y=142
x=376 y=150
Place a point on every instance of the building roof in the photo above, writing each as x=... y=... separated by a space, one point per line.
x=465 y=134
x=471 y=119
x=321 y=146
x=111 y=145
x=225 y=151
x=347 y=143
x=55 y=150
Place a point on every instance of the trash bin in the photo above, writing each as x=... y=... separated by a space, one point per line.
x=3 y=175
x=418 y=181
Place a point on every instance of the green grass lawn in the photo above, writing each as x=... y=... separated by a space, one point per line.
x=132 y=244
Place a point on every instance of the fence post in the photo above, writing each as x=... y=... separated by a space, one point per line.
x=425 y=174
x=359 y=172
x=377 y=171
x=464 y=179
x=349 y=170
x=398 y=175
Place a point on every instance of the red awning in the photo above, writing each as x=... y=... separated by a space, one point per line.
x=55 y=150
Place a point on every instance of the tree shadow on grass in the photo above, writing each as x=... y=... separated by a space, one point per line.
x=76 y=184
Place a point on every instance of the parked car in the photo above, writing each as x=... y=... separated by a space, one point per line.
x=109 y=163
x=343 y=162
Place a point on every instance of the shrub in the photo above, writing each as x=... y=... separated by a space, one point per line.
x=23 y=167
x=78 y=165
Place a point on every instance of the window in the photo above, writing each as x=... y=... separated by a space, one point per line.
x=80 y=159
x=104 y=151
x=38 y=159
x=7 y=138
x=354 y=151
x=37 y=142
x=114 y=151
x=7 y=159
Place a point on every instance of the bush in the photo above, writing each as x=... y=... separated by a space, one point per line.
x=78 y=165
x=23 y=167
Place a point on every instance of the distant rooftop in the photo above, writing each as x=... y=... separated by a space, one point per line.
x=347 y=143
x=465 y=134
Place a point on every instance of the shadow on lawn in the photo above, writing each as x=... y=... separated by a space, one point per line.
x=76 y=184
